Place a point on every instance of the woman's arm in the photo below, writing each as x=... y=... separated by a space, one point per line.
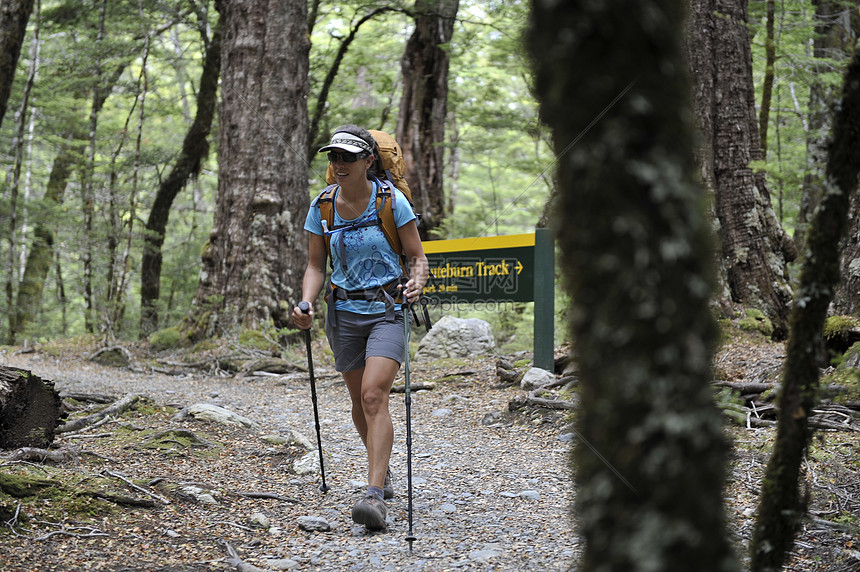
x=314 y=279
x=410 y=240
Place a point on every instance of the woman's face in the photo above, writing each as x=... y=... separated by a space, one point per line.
x=348 y=167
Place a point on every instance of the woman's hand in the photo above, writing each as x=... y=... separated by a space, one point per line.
x=412 y=290
x=302 y=320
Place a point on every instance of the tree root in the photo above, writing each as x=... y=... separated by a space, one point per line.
x=118 y=407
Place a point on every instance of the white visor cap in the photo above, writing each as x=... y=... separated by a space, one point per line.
x=347 y=142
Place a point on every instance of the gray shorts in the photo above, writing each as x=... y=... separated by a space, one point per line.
x=356 y=337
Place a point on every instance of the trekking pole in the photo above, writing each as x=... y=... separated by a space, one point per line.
x=410 y=538
x=305 y=308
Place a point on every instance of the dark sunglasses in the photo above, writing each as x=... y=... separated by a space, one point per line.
x=333 y=157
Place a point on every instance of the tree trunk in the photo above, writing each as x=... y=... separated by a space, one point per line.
x=195 y=147
x=836 y=29
x=30 y=409
x=781 y=508
x=767 y=84
x=14 y=15
x=635 y=242
x=754 y=248
x=423 y=108
x=18 y=152
x=256 y=253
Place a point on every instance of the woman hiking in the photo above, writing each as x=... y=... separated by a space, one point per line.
x=364 y=323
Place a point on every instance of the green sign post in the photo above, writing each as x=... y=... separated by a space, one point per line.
x=493 y=270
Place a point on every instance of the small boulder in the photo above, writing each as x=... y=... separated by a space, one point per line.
x=456 y=338
x=536 y=378
x=217 y=414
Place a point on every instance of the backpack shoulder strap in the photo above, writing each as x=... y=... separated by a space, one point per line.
x=325 y=202
x=385 y=205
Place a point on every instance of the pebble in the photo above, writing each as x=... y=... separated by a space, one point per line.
x=260 y=520
x=485 y=554
x=313 y=523
x=282 y=564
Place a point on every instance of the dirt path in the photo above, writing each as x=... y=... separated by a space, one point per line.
x=491 y=489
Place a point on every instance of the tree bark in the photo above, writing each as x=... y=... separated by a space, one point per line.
x=14 y=15
x=635 y=243
x=767 y=84
x=256 y=253
x=195 y=147
x=836 y=29
x=781 y=508
x=423 y=108
x=30 y=409
x=754 y=249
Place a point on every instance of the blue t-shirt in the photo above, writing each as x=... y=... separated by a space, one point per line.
x=362 y=257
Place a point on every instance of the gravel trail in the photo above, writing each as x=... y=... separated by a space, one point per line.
x=491 y=489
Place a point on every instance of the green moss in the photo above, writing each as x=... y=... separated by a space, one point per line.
x=847 y=518
x=145 y=406
x=256 y=340
x=847 y=376
x=838 y=326
x=756 y=321
x=22 y=485
x=165 y=339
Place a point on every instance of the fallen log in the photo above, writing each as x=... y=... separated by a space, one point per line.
x=745 y=388
x=30 y=409
x=535 y=399
x=38 y=455
x=412 y=387
x=115 y=409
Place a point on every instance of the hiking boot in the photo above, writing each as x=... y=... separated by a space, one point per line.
x=387 y=489
x=371 y=512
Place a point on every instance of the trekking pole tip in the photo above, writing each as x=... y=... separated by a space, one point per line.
x=324 y=488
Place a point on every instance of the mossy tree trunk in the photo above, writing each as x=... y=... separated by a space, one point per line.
x=837 y=24
x=30 y=409
x=14 y=15
x=636 y=252
x=423 y=107
x=781 y=507
x=257 y=251
x=754 y=249
x=195 y=147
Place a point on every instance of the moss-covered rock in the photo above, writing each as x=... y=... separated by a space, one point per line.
x=165 y=339
x=755 y=321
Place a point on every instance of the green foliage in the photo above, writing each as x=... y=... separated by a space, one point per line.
x=497 y=152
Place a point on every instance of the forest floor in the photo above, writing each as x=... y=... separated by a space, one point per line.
x=150 y=490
